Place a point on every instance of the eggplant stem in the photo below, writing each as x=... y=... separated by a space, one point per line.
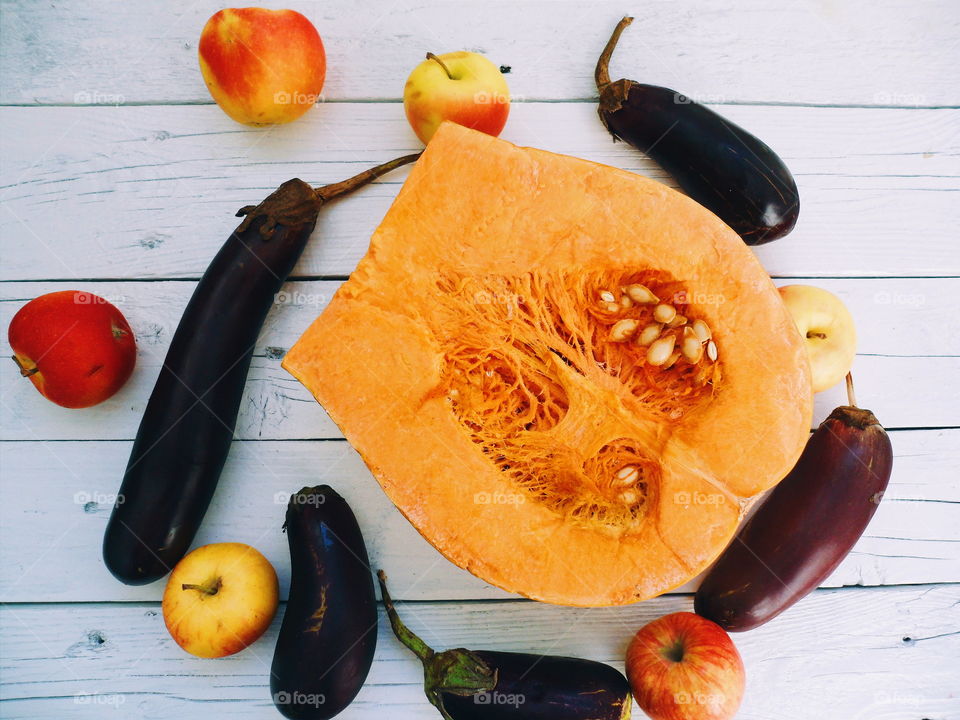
x=602 y=73
x=851 y=397
x=403 y=633
x=329 y=192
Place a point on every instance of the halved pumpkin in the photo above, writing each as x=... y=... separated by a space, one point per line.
x=479 y=361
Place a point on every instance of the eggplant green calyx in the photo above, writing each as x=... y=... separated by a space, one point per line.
x=457 y=672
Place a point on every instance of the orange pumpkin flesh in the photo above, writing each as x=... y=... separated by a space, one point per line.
x=471 y=361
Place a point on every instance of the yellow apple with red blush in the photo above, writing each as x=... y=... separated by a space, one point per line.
x=461 y=87
x=219 y=599
x=263 y=67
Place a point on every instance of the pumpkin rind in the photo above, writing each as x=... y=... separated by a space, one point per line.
x=469 y=361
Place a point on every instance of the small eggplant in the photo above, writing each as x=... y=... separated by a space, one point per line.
x=188 y=424
x=806 y=527
x=718 y=164
x=329 y=630
x=489 y=685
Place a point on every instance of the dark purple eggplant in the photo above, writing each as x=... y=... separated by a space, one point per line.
x=489 y=685
x=717 y=163
x=805 y=527
x=188 y=424
x=329 y=630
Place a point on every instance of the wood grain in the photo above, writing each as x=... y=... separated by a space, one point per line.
x=55 y=498
x=880 y=654
x=150 y=192
x=899 y=323
x=855 y=52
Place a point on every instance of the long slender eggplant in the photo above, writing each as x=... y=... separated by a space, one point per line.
x=188 y=424
x=329 y=631
x=806 y=527
x=717 y=163
x=490 y=685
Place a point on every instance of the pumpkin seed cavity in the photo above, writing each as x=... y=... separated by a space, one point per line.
x=514 y=355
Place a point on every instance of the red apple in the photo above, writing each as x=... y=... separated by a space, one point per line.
x=219 y=599
x=462 y=87
x=263 y=67
x=75 y=347
x=685 y=667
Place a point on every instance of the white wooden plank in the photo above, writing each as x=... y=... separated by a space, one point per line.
x=855 y=52
x=55 y=498
x=887 y=654
x=151 y=191
x=901 y=340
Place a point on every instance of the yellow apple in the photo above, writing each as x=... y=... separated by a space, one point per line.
x=219 y=599
x=827 y=326
x=463 y=87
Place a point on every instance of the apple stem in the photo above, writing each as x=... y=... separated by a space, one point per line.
x=25 y=372
x=431 y=56
x=208 y=589
x=818 y=335
x=851 y=397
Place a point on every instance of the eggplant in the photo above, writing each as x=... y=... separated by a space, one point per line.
x=717 y=163
x=805 y=527
x=188 y=424
x=491 y=685
x=329 y=630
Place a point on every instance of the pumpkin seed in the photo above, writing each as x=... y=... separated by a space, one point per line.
x=664 y=313
x=660 y=350
x=628 y=496
x=677 y=321
x=623 y=329
x=702 y=330
x=626 y=302
x=628 y=475
x=607 y=296
x=691 y=347
x=612 y=307
x=641 y=294
x=672 y=360
x=650 y=333
x=712 y=351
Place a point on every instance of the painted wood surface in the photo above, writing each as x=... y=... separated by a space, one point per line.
x=56 y=498
x=118 y=176
x=151 y=192
x=900 y=324
x=855 y=654
x=855 y=52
